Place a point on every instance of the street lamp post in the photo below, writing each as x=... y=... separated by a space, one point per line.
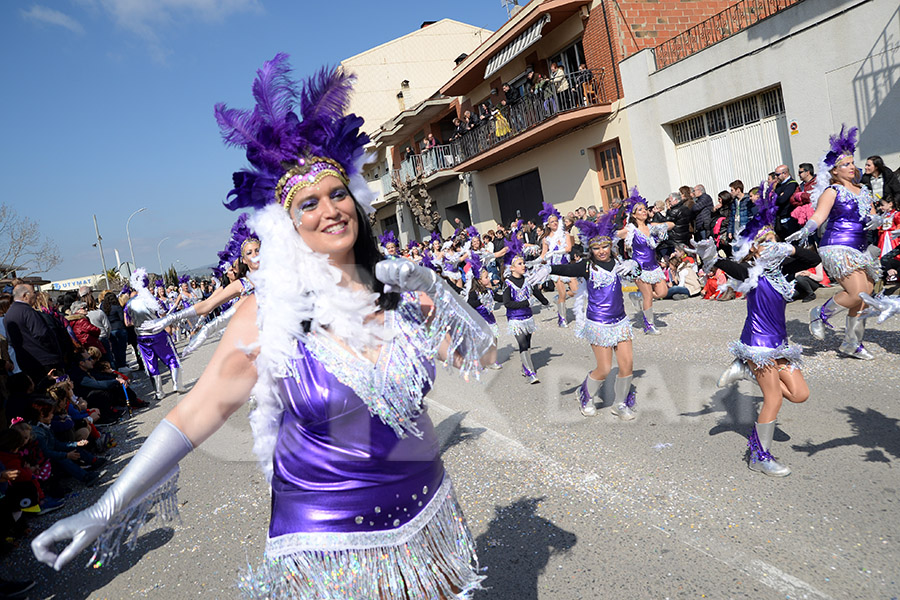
x=128 y=234
x=157 y=255
x=100 y=246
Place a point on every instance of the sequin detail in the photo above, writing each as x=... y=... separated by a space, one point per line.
x=521 y=326
x=757 y=452
x=841 y=261
x=653 y=276
x=126 y=526
x=608 y=336
x=431 y=556
x=658 y=232
x=764 y=357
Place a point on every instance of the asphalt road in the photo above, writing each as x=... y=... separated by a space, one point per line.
x=567 y=507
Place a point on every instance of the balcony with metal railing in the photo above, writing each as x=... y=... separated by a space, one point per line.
x=717 y=28
x=551 y=108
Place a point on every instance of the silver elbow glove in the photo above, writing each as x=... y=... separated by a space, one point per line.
x=211 y=328
x=803 y=235
x=157 y=325
x=156 y=460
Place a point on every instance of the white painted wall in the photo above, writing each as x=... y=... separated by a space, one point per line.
x=837 y=61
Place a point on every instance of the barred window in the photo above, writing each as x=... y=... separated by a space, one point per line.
x=689 y=130
x=715 y=120
x=772 y=102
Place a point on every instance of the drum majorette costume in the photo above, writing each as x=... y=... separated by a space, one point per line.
x=361 y=505
x=764 y=340
x=241 y=236
x=642 y=249
x=157 y=347
x=517 y=300
x=557 y=254
x=843 y=243
x=482 y=298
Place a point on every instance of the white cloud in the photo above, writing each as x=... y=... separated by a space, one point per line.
x=147 y=18
x=48 y=16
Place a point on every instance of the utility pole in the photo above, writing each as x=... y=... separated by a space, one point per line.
x=100 y=246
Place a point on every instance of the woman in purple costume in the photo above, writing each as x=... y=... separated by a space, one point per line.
x=517 y=300
x=763 y=350
x=845 y=211
x=339 y=360
x=555 y=249
x=482 y=296
x=600 y=317
x=641 y=238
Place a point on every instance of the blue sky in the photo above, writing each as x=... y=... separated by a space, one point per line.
x=107 y=108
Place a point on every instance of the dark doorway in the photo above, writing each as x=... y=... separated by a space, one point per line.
x=458 y=211
x=520 y=197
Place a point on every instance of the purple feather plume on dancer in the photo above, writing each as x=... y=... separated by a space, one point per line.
x=516 y=247
x=472 y=232
x=548 y=211
x=388 y=238
x=841 y=144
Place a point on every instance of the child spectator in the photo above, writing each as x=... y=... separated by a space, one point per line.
x=12 y=441
x=63 y=455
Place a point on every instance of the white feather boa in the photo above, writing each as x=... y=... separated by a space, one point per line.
x=296 y=285
x=144 y=298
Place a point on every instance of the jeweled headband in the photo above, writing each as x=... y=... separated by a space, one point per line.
x=308 y=172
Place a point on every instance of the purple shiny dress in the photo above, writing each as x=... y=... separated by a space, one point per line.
x=361 y=505
x=157 y=348
x=520 y=320
x=605 y=322
x=844 y=241
x=643 y=250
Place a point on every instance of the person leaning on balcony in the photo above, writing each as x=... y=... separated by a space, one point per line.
x=561 y=85
x=511 y=94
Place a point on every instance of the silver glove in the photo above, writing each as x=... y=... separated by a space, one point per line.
x=157 y=325
x=803 y=235
x=158 y=456
x=538 y=275
x=626 y=268
x=875 y=222
x=883 y=307
x=401 y=275
x=213 y=327
x=706 y=251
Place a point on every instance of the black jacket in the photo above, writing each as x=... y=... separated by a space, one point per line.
x=785 y=224
x=35 y=343
x=702 y=210
x=891 y=183
x=681 y=216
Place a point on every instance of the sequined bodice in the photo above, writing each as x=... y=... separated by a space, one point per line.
x=846 y=221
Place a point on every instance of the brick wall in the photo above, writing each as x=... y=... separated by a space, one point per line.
x=635 y=25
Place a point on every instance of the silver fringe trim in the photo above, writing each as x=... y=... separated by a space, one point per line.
x=654 y=276
x=599 y=334
x=126 y=526
x=521 y=326
x=841 y=261
x=436 y=560
x=765 y=357
x=495 y=329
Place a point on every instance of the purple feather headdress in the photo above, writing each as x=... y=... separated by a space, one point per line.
x=428 y=261
x=285 y=153
x=599 y=232
x=435 y=236
x=241 y=233
x=126 y=289
x=388 y=238
x=475 y=263
x=761 y=223
x=159 y=283
x=412 y=244
x=549 y=211
x=184 y=279
x=516 y=249
x=218 y=272
x=634 y=198
x=841 y=145
x=472 y=232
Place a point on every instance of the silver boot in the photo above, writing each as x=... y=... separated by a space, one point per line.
x=158 y=387
x=623 y=405
x=649 y=325
x=637 y=299
x=819 y=317
x=528 y=367
x=860 y=331
x=586 y=392
x=736 y=371
x=177 y=385
x=760 y=458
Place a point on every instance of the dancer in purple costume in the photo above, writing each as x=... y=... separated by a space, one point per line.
x=641 y=238
x=763 y=350
x=339 y=362
x=844 y=212
x=482 y=296
x=555 y=249
x=600 y=317
x=517 y=300
x=155 y=348
x=243 y=250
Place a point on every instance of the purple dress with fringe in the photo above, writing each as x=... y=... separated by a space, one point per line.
x=844 y=240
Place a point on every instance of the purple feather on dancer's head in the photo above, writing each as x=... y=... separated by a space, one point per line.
x=634 y=198
x=599 y=233
x=476 y=265
x=472 y=232
x=435 y=237
x=412 y=244
x=285 y=153
x=184 y=279
x=159 y=283
x=841 y=145
x=126 y=289
x=516 y=249
x=388 y=238
x=548 y=211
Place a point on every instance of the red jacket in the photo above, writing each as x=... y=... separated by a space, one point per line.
x=87 y=334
